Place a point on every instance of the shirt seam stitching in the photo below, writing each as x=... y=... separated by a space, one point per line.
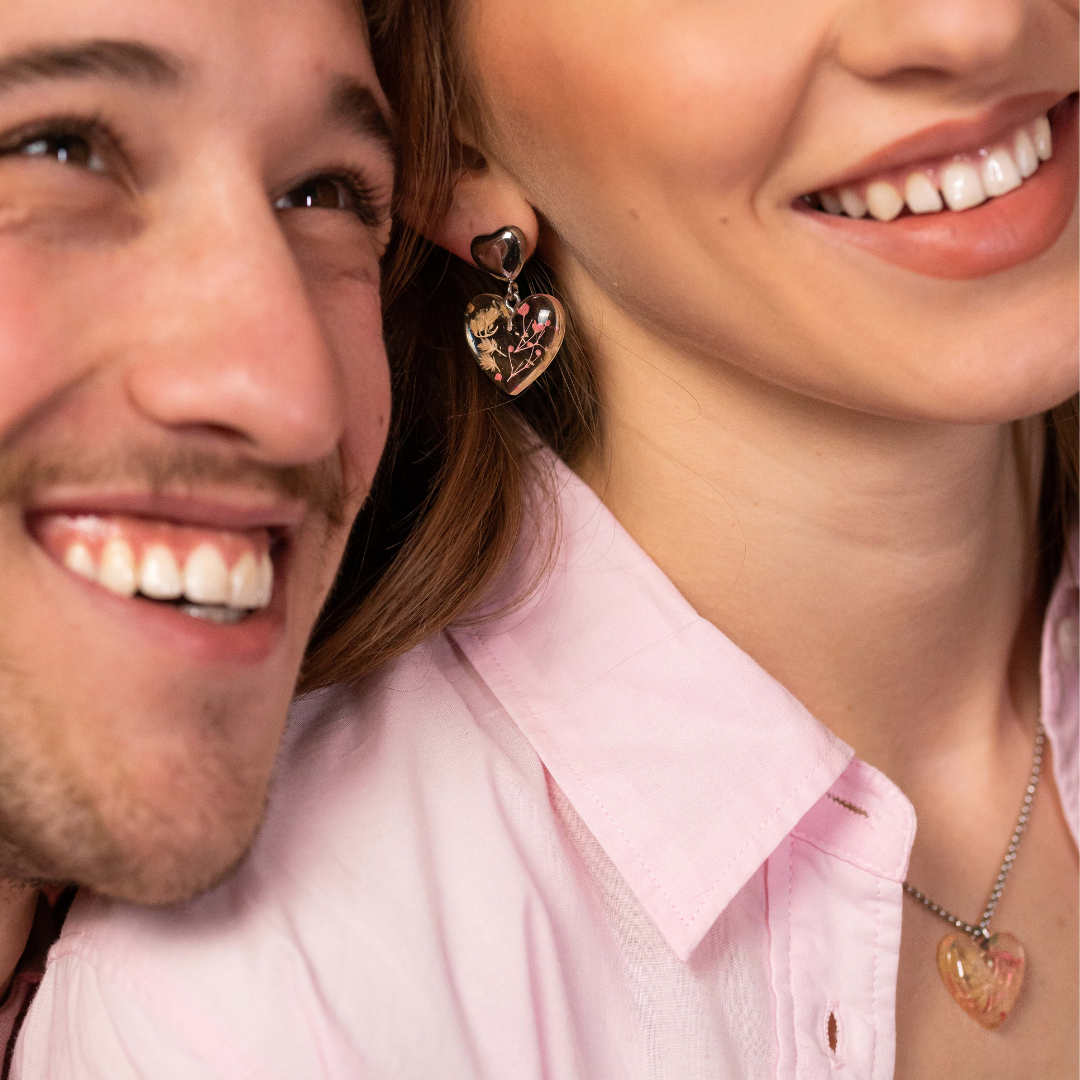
x=831 y=849
x=791 y=961
x=874 y=996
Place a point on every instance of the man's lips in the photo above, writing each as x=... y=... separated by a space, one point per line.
x=202 y=574
x=204 y=510
x=1000 y=233
x=230 y=570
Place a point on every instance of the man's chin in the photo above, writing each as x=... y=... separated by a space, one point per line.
x=150 y=842
x=156 y=882
x=171 y=872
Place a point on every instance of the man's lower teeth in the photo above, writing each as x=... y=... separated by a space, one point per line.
x=214 y=612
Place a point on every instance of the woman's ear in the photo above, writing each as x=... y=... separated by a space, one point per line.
x=486 y=198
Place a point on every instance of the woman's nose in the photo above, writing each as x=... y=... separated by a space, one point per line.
x=232 y=341
x=881 y=39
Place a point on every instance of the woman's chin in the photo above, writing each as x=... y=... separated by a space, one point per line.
x=993 y=363
x=990 y=350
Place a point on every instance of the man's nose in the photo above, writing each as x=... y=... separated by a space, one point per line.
x=232 y=343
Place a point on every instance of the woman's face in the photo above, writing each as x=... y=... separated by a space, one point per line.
x=687 y=154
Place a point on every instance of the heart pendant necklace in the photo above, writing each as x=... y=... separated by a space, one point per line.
x=984 y=971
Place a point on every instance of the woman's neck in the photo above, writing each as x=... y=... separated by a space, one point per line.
x=881 y=570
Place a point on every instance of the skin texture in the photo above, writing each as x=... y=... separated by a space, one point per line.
x=182 y=333
x=17 y=904
x=816 y=444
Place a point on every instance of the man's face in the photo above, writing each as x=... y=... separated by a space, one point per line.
x=193 y=399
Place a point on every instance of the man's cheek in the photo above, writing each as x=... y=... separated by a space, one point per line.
x=366 y=375
x=33 y=364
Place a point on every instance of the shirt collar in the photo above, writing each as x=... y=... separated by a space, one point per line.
x=1060 y=684
x=683 y=757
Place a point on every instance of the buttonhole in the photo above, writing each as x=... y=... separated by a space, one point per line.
x=834 y=1036
x=850 y=806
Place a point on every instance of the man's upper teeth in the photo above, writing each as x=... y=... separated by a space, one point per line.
x=117 y=572
x=78 y=558
x=159 y=576
x=248 y=583
x=204 y=578
x=958 y=184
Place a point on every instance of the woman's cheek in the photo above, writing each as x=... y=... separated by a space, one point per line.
x=569 y=78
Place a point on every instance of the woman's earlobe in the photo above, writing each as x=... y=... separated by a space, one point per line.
x=486 y=199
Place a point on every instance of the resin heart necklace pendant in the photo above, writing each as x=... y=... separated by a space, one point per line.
x=513 y=340
x=984 y=971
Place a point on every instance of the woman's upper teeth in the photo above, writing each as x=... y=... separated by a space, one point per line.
x=957 y=183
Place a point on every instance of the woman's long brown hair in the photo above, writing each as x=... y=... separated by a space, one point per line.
x=447 y=505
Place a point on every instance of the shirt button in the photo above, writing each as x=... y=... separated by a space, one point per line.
x=1068 y=640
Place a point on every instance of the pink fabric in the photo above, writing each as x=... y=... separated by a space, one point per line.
x=23 y=985
x=51 y=908
x=590 y=840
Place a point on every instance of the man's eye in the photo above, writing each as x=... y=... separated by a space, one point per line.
x=66 y=149
x=340 y=192
x=323 y=193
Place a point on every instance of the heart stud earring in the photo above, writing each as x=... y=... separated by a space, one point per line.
x=513 y=340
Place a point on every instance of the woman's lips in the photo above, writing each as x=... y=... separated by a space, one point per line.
x=994 y=236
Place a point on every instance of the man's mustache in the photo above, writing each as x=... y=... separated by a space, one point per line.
x=161 y=469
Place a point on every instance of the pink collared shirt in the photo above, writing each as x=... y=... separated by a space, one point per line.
x=592 y=840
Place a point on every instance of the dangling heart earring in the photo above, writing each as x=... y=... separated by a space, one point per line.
x=512 y=339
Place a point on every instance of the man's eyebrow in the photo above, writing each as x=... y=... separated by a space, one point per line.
x=355 y=105
x=126 y=60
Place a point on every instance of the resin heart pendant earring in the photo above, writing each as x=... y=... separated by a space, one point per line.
x=512 y=339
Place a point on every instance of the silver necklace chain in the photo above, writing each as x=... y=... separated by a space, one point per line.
x=981 y=932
